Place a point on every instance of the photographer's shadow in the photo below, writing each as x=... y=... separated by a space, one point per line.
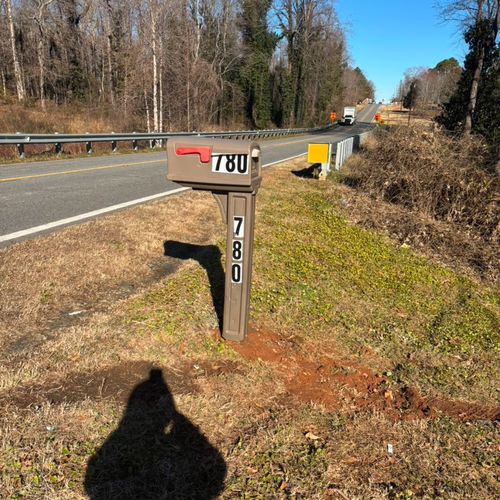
x=155 y=453
x=209 y=257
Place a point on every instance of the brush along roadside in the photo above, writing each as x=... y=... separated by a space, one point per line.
x=439 y=192
x=357 y=344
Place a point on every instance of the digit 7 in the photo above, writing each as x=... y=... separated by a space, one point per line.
x=239 y=223
x=219 y=161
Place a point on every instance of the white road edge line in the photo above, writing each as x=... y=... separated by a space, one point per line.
x=88 y=215
x=284 y=159
x=94 y=213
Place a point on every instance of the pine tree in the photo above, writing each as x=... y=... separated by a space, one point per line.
x=486 y=116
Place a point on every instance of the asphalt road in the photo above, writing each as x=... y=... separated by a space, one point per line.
x=39 y=197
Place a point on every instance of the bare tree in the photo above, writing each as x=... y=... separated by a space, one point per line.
x=174 y=64
x=41 y=6
x=21 y=92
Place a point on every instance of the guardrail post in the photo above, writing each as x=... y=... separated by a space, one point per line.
x=88 y=147
x=20 y=151
x=337 y=155
x=20 y=148
x=58 y=146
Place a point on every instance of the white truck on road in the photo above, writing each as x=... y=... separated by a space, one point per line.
x=349 y=116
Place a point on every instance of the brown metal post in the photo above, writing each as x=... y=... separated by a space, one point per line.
x=239 y=251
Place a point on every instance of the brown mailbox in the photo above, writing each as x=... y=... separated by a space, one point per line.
x=231 y=170
x=214 y=164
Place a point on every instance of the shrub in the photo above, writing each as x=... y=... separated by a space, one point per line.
x=439 y=175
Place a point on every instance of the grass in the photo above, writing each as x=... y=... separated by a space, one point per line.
x=433 y=191
x=395 y=114
x=337 y=311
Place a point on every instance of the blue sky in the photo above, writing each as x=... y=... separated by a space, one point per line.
x=386 y=37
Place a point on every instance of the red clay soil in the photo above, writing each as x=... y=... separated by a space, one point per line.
x=341 y=385
x=347 y=386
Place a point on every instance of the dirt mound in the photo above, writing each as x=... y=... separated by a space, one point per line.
x=112 y=383
x=347 y=385
x=342 y=385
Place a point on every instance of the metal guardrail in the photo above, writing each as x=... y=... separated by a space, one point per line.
x=21 y=140
x=344 y=151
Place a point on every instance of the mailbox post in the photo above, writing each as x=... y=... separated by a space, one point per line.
x=231 y=170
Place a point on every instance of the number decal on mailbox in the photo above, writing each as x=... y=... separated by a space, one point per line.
x=237 y=250
x=230 y=164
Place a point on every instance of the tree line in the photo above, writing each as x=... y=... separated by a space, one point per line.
x=182 y=64
x=428 y=87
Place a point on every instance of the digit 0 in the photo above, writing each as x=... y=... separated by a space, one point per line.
x=242 y=164
x=236 y=273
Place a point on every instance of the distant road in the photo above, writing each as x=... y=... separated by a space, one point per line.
x=38 y=197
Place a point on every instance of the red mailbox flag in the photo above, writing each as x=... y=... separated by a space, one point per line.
x=204 y=153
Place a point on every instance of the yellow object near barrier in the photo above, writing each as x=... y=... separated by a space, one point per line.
x=318 y=153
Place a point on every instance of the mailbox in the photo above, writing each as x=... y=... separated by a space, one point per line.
x=214 y=164
x=231 y=170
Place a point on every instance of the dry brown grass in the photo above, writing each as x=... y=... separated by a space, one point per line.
x=439 y=240
x=65 y=379
x=45 y=279
x=437 y=178
x=72 y=119
x=395 y=114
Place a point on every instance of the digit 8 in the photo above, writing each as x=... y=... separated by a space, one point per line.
x=231 y=163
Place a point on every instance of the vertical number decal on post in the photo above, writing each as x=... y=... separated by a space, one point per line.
x=237 y=274
x=238 y=227
x=237 y=249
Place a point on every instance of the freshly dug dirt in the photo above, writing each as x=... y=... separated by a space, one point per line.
x=348 y=386
x=340 y=385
